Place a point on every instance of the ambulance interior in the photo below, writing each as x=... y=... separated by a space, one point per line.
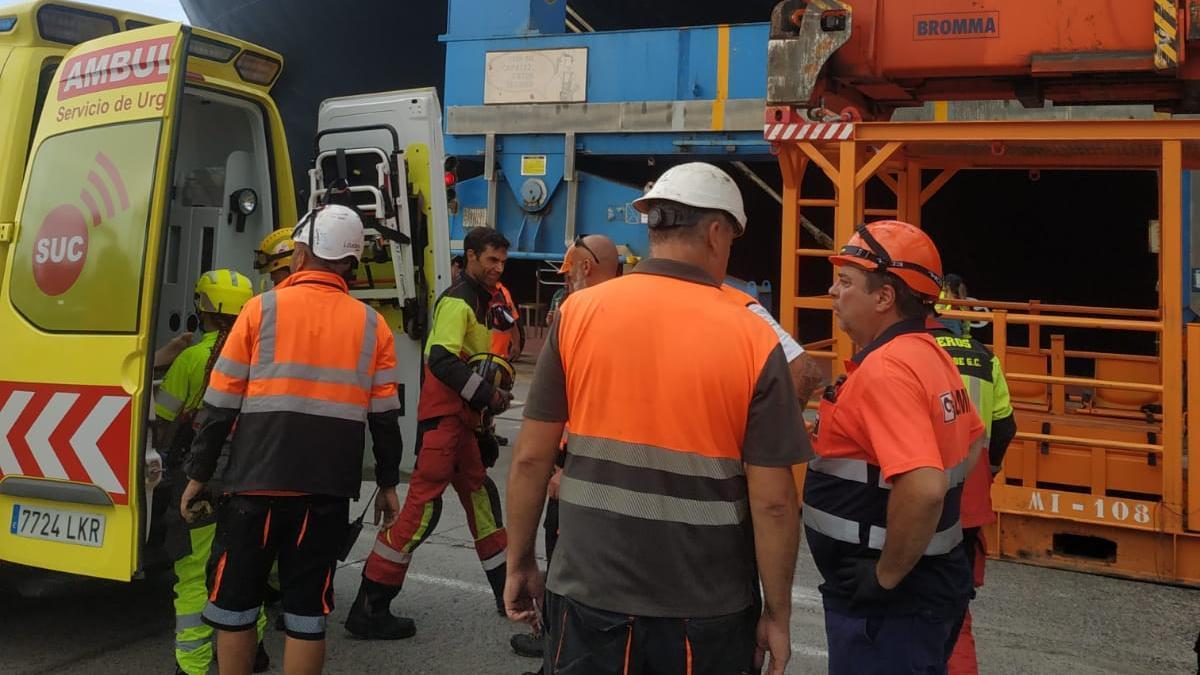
x=222 y=201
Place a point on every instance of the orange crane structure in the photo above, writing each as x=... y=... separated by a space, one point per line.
x=1098 y=477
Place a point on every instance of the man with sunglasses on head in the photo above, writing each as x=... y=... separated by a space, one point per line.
x=896 y=438
x=591 y=260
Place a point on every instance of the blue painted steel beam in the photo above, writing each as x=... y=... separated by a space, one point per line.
x=658 y=65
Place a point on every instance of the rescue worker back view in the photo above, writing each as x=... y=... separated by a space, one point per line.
x=657 y=568
x=304 y=371
x=453 y=397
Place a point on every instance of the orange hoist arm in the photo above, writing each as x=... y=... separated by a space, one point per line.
x=837 y=53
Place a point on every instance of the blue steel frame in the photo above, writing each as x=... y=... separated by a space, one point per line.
x=681 y=64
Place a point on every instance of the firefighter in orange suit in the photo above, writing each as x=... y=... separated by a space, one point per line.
x=453 y=399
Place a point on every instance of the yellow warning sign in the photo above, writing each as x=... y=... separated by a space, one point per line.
x=533 y=165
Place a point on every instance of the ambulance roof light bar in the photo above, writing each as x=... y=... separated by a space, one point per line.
x=71 y=26
x=257 y=68
x=213 y=50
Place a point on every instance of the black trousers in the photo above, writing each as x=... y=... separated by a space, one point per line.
x=582 y=640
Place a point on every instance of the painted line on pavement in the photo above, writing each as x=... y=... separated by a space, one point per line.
x=799 y=596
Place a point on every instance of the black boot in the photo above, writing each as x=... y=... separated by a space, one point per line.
x=369 y=618
x=262 y=660
x=496 y=579
x=529 y=645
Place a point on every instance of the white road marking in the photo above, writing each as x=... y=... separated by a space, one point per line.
x=799 y=596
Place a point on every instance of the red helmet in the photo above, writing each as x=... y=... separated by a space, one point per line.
x=897 y=247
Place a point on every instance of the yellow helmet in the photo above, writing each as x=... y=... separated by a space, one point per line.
x=223 y=292
x=275 y=251
x=494 y=369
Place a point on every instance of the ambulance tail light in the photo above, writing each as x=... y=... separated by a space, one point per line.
x=71 y=26
x=213 y=50
x=257 y=68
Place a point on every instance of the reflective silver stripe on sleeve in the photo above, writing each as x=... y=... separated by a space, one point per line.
x=266 y=331
x=791 y=348
x=390 y=554
x=302 y=371
x=168 y=402
x=384 y=404
x=652 y=457
x=191 y=645
x=310 y=625
x=366 y=357
x=307 y=406
x=220 y=399
x=230 y=618
x=651 y=506
x=472 y=386
x=231 y=368
x=387 y=376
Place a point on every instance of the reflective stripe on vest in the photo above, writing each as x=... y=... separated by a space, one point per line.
x=835 y=475
x=269 y=368
x=860 y=471
x=849 y=531
x=644 y=481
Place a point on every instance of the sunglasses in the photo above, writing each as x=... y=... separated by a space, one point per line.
x=579 y=243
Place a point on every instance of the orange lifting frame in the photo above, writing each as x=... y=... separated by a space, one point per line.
x=1159 y=541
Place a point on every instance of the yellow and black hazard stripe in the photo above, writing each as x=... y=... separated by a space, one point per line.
x=1166 y=35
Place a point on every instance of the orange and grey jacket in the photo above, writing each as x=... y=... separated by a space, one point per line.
x=654 y=503
x=303 y=372
x=459 y=331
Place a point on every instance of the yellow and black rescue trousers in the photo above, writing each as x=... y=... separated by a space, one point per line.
x=193 y=546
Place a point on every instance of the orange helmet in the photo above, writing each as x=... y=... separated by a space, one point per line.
x=896 y=247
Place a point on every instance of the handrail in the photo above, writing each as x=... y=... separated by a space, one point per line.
x=1085 y=382
x=1057 y=309
x=818 y=344
x=1062 y=321
x=1089 y=442
x=1141 y=358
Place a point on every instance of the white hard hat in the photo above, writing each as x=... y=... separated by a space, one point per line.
x=700 y=185
x=332 y=232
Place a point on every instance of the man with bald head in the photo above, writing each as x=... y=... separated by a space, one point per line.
x=591 y=260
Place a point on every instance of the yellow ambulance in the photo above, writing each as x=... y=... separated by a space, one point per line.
x=134 y=155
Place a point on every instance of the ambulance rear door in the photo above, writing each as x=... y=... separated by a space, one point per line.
x=408 y=122
x=77 y=306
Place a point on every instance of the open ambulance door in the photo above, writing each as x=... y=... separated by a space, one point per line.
x=386 y=149
x=78 y=303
